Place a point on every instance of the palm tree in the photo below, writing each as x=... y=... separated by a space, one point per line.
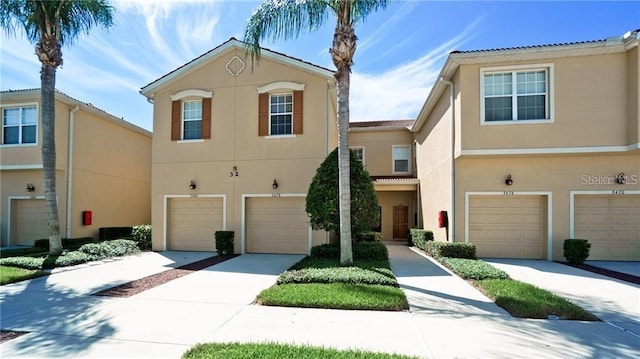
x=49 y=24
x=288 y=18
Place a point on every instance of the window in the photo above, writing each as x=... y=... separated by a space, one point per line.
x=359 y=151
x=191 y=115
x=280 y=109
x=516 y=95
x=401 y=159
x=281 y=114
x=19 y=125
x=192 y=120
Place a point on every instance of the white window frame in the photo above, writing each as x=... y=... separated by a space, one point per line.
x=183 y=120
x=361 y=148
x=21 y=106
x=550 y=97
x=393 y=159
x=281 y=113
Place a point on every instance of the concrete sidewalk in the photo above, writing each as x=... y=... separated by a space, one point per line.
x=448 y=317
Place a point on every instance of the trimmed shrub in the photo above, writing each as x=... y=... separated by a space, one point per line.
x=142 y=235
x=473 y=269
x=368 y=236
x=67 y=243
x=451 y=250
x=420 y=237
x=65 y=259
x=352 y=275
x=23 y=262
x=576 y=251
x=361 y=251
x=328 y=251
x=370 y=251
x=224 y=242
x=115 y=248
x=110 y=233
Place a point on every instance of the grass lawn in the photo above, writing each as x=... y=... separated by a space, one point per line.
x=13 y=274
x=278 y=351
x=323 y=283
x=527 y=301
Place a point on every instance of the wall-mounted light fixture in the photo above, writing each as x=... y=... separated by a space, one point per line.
x=275 y=184
x=192 y=185
x=234 y=172
x=30 y=187
x=621 y=178
x=509 y=180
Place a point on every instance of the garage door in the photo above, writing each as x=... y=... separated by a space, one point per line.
x=192 y=223
x=30 y=221
x=611 y=224
x=508 y=226
x=277 y=225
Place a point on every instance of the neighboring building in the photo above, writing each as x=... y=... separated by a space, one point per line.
x=526 y=147
x=103 y=166
x=235 y=147
x=387 y=153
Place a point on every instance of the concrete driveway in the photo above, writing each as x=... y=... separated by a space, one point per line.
x=613 y=301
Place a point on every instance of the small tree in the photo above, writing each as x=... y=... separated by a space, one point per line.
x=323 y=202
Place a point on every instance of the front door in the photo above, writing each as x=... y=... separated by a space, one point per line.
x=400 y=221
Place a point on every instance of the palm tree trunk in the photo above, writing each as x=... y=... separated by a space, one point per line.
x=48 y=117
x=344 y=167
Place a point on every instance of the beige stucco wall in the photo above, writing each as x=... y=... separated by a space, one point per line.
x=590 y=96
x=433 y=154
x=633 y=96
x=378 y=148
x=111 y=171
x=556 y=176
x=292 y=161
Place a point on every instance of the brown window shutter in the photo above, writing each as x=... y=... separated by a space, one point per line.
x=206 y=118
x=263 y=114
x=297 y=112
x=176 y=119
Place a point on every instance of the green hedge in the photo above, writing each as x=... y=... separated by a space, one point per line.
x=110 y=233
x=576 y=251
x=368 y=236
x=361 y=251
x=142 y=235
x=67 y=243
x=451 y=250
x=353 y=275
x=86 y=253
x=420 y=237
x=224 y=242
x=473 y=269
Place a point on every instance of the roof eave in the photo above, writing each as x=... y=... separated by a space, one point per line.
x=151 y=88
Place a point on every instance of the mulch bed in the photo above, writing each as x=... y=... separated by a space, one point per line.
x=6 y=335
x=606 y=272
x=152 y=281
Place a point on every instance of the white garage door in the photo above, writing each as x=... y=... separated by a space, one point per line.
x=277 y=225
x=611 y=224
x=508 y=226
x=30 y=221
x=192 y=223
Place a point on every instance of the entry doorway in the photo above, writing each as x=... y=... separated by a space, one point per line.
x=400 y=221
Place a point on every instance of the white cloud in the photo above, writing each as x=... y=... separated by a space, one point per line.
x=400 y=92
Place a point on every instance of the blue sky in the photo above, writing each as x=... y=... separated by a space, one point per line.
x=400 y=49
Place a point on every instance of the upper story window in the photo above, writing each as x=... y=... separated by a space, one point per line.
x=359 y=152
x=281 y=114
x=516 y=94
x=191 y=115
x=19 y=125
x=280 y=111
x=401 y=156
x=192 y=120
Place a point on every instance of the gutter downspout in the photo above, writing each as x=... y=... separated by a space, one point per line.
x=452 y=200
x=70 y=169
